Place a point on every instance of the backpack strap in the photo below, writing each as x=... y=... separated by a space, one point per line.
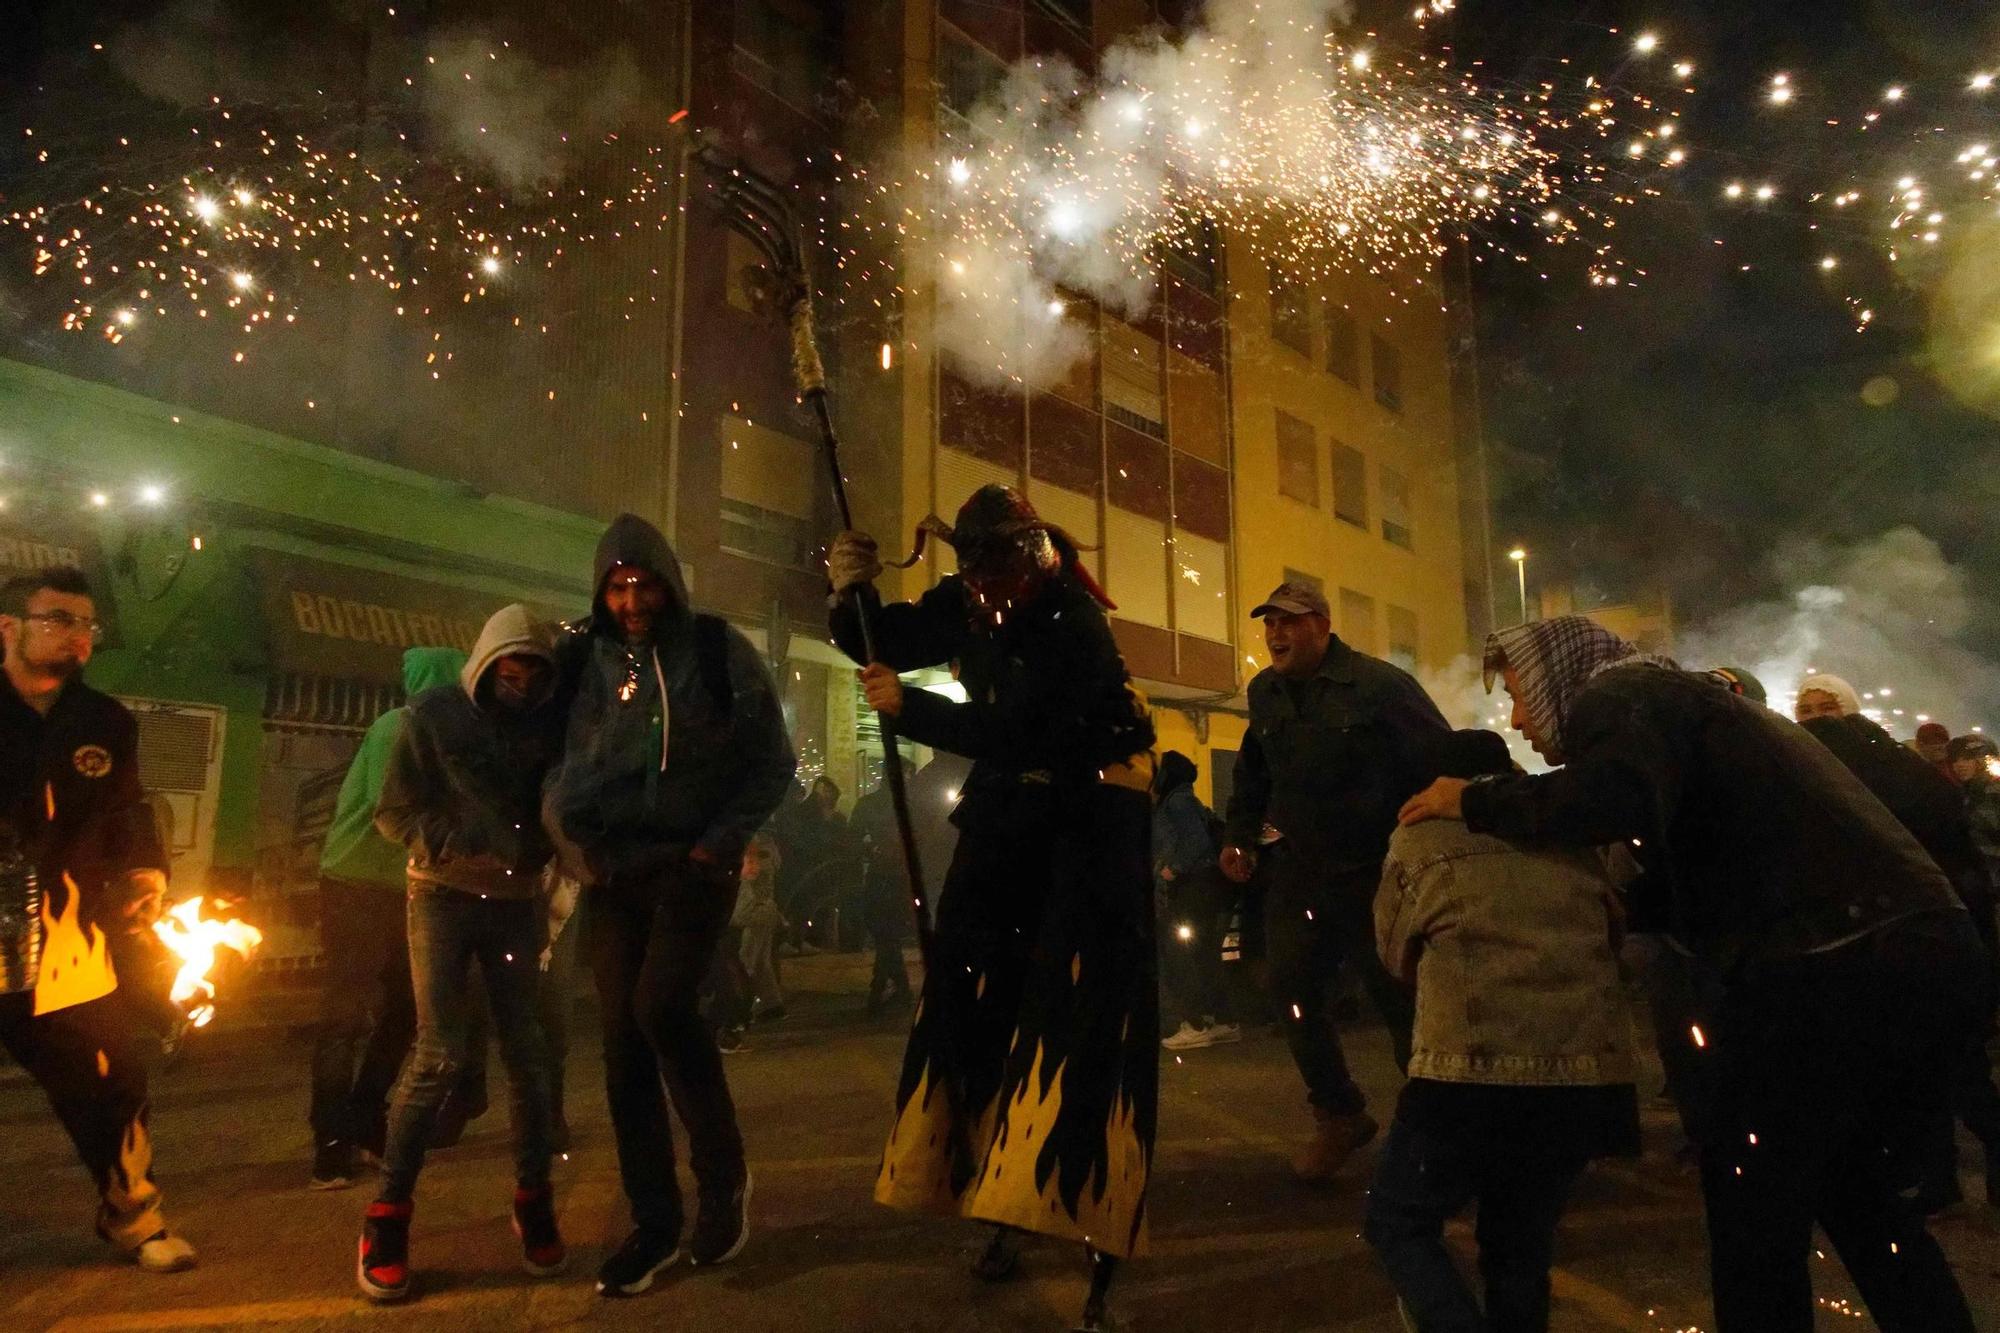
x=711 y=650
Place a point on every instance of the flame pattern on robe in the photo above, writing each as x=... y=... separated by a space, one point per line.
x=76 y=957
x=1030 y=1085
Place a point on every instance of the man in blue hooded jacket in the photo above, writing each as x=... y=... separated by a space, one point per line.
x=676 y=753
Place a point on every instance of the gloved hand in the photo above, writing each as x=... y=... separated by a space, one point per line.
x=852 y=561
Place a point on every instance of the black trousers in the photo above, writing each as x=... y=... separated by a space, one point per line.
x=367 y=1013
x=1829 y=1071
x=89 y=1065
x=652 y=942
x=1314 y=925
x=1198 y=904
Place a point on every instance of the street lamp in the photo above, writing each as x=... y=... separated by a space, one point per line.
x=1519 y=555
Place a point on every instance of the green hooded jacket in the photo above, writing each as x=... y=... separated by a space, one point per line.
x=353 y=849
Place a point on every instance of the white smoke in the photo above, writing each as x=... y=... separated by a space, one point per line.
x=515 y=116
x=1884 y=614
x=1084 y=179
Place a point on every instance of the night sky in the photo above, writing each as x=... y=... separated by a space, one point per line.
x=1698 y=422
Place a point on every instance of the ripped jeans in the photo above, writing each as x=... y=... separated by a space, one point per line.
x=448 y=930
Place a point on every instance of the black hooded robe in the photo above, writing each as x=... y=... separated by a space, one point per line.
x=1030 y=1085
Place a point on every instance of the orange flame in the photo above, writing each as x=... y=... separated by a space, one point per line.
x=194 y=939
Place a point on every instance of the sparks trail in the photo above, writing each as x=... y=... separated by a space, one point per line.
x=261 y=221
x=1318 y=155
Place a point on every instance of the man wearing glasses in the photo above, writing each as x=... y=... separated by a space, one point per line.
x=80 y=860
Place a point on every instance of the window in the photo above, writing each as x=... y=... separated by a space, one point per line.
x=781 y=47
x=1300 y=577
x=1135 y=566
x=1350 y=485
x=1076 y=13
x=1132 y=388
x=1402 y=625
x=1388 y=372
x=1357 y=620
x=1396 y=508
x=1343 y=345
x=1201 y=587
x=1298 y=460
x=764 y=534
x=967 y=73
x=1190 y=254
x=1291 y=321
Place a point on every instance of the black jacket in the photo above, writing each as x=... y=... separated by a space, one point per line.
x=462 y=790
x=1925 y=801
x=636 y=791
x=81 y=762
x=1754 y=838
x=1047 y=691
x=1329 y=760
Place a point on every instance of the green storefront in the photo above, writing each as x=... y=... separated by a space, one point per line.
x=259 y=592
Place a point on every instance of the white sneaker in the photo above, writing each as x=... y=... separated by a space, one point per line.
x=1221 y=1034
x=1191 y=1038
x=164 y=1253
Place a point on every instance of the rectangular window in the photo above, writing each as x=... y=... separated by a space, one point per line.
x=1191 y=254
x=1135 y=566
x=1388 y=363
x=764 y=534
x=1201 y=587
x=781 y=46
x=1357 y=620
x=967 y=73
x=1300 y=577
x=1343 y=345
x=1298 y=460
x=1350 y=486
x=1396 y=508
x=1133 y=392
x=1291 y=319
x=1402 y=626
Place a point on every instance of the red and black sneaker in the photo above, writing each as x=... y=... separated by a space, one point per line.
x=382 y=1269
x=542 y=1252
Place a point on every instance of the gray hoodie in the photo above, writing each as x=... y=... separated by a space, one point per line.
x=665 y=751
x=463 y=786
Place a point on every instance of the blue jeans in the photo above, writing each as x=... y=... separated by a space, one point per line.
x=448 y=931
x=1422 y=1182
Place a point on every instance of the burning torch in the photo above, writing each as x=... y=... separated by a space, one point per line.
x=193 y=940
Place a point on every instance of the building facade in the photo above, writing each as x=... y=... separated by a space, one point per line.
x=270 y=536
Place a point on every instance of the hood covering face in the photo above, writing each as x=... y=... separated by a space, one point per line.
x=1553 y=660
x=1176 y=770
x=424 y=668
x=1850 y=702
x=631 y=540
x=512 y=630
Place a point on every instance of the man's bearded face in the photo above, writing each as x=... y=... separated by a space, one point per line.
x=54 y=639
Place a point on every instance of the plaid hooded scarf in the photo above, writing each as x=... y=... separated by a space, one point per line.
x=1553 y=660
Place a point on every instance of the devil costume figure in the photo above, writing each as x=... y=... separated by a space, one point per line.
x=1030 y=1085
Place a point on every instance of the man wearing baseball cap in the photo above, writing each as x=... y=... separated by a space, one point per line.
x=1337 y=741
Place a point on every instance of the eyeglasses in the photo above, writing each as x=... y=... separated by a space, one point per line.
x=64 y=625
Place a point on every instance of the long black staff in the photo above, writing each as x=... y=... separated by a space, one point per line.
x=756 y=209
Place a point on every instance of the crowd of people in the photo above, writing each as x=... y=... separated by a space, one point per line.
x=1806 y=907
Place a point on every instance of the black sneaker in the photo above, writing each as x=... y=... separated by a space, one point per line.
x=721 y=1227
x=333 y=1166
x=633 y=1266
x=382 y=1269
x=542 y=1252
x=730 y=1041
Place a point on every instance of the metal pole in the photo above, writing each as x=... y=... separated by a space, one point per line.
x=757 y=210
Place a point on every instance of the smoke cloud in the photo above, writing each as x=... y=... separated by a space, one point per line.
x=1086 y=213
x=514 y=116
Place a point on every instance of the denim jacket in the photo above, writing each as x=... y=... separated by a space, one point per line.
x=1513 y=952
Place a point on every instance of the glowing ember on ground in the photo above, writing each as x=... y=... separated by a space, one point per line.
x=194 y=939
